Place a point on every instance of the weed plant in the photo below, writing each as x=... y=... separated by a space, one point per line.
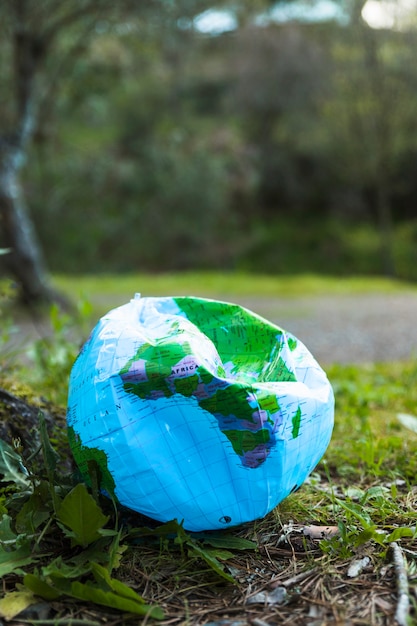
x=53 y=354
x=7 y=327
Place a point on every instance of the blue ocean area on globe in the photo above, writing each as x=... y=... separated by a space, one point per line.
x=197 y=410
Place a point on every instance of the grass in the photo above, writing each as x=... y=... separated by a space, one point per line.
x=325 y=555
x=111 y=290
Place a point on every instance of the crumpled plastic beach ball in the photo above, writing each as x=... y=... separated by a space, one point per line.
x=197 y=410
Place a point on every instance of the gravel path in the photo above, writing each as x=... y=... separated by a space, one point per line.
x=336 y=329
x=350 y=328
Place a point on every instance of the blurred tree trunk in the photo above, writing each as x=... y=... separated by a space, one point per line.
x=44 y=38
x=31 y=28
x=25 y=258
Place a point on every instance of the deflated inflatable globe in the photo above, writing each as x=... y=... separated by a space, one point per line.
x=197 y=410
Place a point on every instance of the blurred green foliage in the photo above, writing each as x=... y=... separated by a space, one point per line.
x=278 y=149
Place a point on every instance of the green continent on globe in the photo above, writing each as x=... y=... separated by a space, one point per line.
x=279 y=372
x=84 y=455
x=267 y=402
x=231 y=400
x=205 y=376
x=244 y=441
x=249 y=342
x=186 y=386
x=296 y=423
x=159 y=361
x=292 y=343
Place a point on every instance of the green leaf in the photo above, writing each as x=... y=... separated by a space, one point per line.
x=6 y=533
x=119 y=596
x=14 y=560
x=50 y=456
x=40 y=587
x=220 y=553
x=366 y=535
x=85 y=591
x=115 y=552
x=56 y=580
x=11 y=465
x=102 y=576
x=357 y=511
x=32 y=514
x=60 y=569
x=399 y=533
x=82 y=515
x=15 y=602
x=211 y=560
x=97 y=552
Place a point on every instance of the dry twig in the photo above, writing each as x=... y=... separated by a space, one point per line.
x=403 y=603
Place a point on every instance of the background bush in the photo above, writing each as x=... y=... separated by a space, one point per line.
x=279 y=149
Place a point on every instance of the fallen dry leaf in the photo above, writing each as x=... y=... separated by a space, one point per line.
x=320 y=532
